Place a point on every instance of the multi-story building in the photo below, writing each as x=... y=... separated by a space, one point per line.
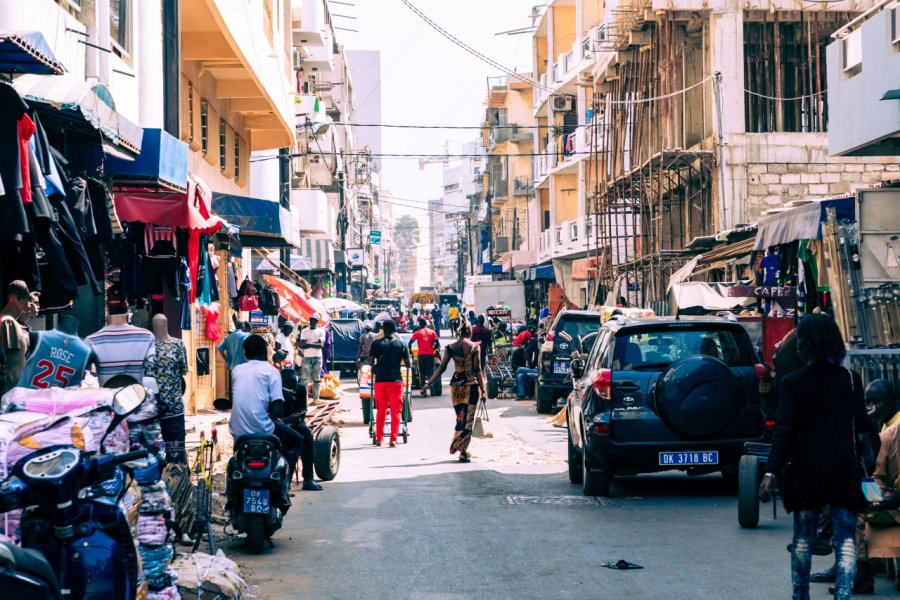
x=673 y=120
x=863 y=63
x=365 y=68
x=508 y=137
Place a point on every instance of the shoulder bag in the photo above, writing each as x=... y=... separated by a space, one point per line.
x=481 y=428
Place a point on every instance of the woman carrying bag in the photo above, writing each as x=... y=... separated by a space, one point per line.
x=466 y=387
x=814 y=454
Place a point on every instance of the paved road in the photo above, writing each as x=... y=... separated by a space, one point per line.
x=411 y=522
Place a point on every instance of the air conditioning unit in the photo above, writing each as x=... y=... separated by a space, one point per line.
x=501 y=244
x=852 y=50
x=562 y=103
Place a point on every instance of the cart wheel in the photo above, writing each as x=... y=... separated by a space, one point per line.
x=327 y=453
x=748 y=482
x=405 y=434
x=493 y=388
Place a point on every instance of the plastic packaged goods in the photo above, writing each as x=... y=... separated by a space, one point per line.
x=203 y=576
x=147 y=436
x=151 y=530
x=156 y=562
x=155 y=499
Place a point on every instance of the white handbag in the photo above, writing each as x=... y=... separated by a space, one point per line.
x=481 y=428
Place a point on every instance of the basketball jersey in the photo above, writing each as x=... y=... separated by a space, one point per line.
x=59 y=360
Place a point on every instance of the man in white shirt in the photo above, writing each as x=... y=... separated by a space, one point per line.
x=259 y=401
x=283 y=342
x=312 y=339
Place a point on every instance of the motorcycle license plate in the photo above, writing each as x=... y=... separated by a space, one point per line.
x=678 y=459
x=256 y=501
x=561 y=367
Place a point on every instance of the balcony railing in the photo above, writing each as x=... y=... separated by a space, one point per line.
x=555 y=72
x=521 y=186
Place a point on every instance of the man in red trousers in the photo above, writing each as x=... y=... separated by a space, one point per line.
x=385 y=357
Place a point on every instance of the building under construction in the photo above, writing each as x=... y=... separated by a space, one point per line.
x=691 y=118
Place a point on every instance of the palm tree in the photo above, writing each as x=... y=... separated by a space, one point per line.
x=406 y=233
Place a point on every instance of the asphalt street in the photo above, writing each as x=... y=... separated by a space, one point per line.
x=413 y=523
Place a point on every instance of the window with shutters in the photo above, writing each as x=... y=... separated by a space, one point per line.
x=237 y=157
x=222 y=146
x=204 y=127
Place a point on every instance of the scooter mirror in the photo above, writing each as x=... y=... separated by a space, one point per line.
x=128 y=399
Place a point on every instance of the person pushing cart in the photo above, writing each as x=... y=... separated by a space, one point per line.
x=386 y=357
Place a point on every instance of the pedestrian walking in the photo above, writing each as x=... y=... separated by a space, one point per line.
x=385 y=357
x=445 y=314
x=232 y=350
x=312 y=340
x=436 y=318
x=365 y=344
x=427 y=342
x=453 y=314
x=466 y=386
x=814 y=454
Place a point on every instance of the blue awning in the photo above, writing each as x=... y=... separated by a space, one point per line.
x=543 y=272
x=27 y=52
x=259 y=220
x=163 y=160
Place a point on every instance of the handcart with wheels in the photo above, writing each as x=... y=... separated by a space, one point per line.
x=751 y=468
x=406 y=412
x=498 y=370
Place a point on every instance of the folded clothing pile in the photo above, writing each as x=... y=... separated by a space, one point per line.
x=203 y=576
x=146 y=435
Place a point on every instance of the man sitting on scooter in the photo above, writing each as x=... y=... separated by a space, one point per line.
x=259 y=401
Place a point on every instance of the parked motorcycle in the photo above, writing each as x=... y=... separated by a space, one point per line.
x=257 y=489
x=72 y=548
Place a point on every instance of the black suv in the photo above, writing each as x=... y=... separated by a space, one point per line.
x=571 y=331
x=664 y=393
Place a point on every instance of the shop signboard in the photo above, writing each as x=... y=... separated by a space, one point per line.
x=258 y=319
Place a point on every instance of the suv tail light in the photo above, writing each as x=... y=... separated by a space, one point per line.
x=551 y=335
x=603 y=385
x=764 y=377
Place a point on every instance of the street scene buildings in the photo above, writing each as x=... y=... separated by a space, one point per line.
x=635 y=263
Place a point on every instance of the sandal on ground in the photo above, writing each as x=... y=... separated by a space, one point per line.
x=464 y=457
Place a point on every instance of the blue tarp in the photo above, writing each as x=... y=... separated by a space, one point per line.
x=163 y=159
x=27 y=52
x=345 y=334
x=544 y=272
x=254 y=216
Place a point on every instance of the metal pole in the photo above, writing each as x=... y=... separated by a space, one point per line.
x=717 y=90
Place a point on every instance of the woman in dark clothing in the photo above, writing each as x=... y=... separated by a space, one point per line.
x=814 y=451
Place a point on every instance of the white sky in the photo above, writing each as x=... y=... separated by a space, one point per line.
x=428 y=80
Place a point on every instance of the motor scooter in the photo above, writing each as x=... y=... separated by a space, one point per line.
x=257 y=488
x=72 y=547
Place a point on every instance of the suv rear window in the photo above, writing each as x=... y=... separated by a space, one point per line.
x=659 y=348
x=577 y=329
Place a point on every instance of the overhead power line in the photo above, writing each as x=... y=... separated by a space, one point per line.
x=397 y=126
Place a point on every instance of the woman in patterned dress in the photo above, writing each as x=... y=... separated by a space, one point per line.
x=466 y=386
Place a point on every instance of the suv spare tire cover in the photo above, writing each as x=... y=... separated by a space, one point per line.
x=698 y=397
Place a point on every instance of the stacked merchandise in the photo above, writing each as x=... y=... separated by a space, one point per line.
x=154 y=532
x=203 y=576
x=33 y=419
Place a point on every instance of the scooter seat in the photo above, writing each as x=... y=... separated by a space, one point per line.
x=30 y=562
x=257 y=437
